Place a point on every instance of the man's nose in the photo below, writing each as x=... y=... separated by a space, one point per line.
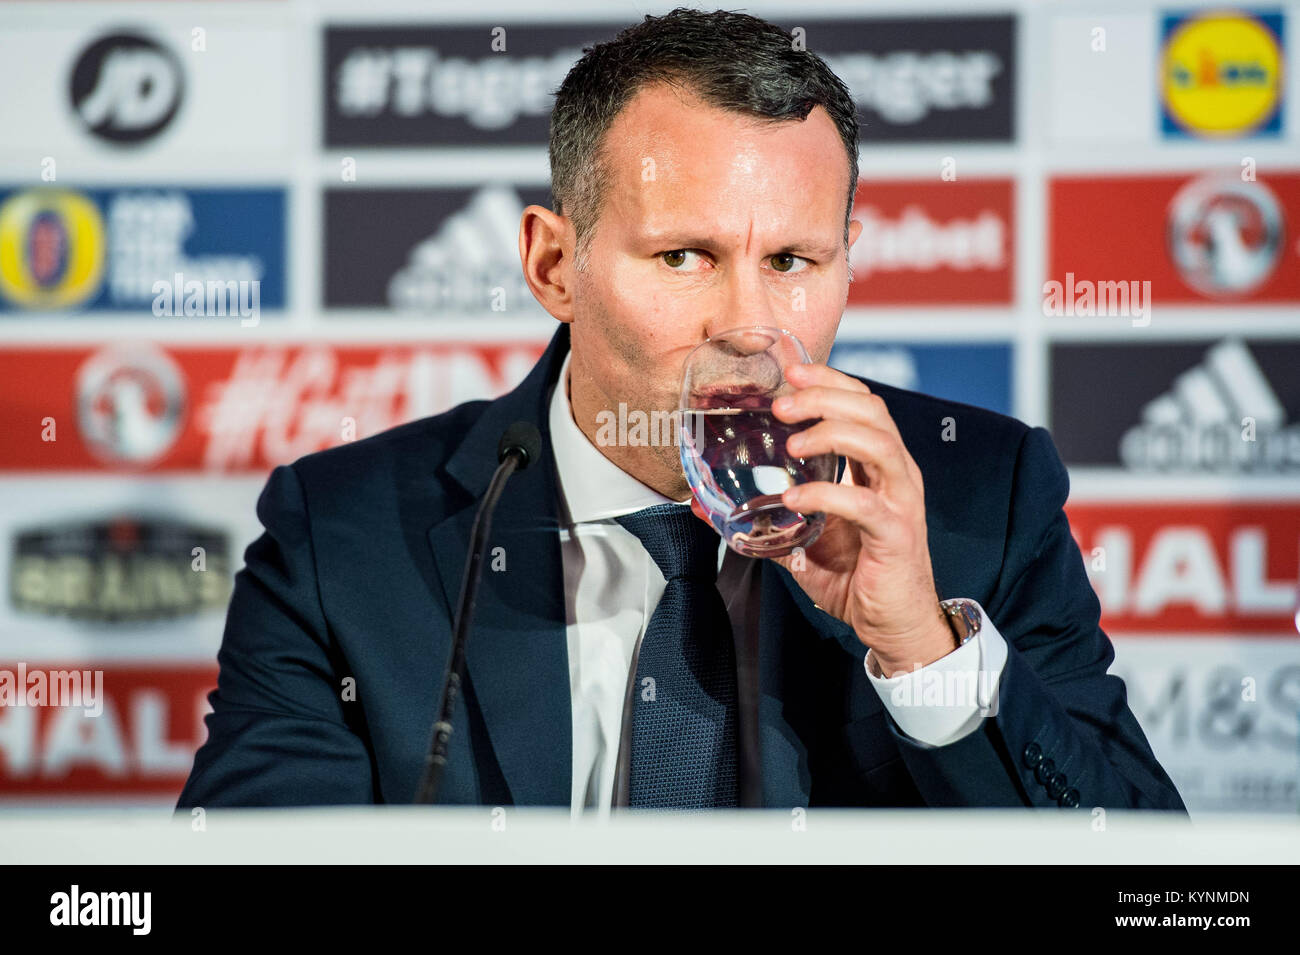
x=746 y=299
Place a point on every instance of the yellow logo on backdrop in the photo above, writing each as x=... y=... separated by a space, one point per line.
x=1221 y=74
x=51 y=249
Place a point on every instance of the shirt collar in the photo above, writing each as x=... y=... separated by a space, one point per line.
x=592 y=487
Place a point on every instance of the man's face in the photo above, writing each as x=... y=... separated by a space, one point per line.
x=710 y=221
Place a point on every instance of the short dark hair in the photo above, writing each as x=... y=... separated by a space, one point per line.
x=731 y=61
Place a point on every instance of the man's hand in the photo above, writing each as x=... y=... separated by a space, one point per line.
x=871 y=565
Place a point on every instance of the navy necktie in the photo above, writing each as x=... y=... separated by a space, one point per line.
x=685 y=713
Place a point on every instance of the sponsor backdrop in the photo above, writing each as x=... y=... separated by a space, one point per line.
x=234 y=234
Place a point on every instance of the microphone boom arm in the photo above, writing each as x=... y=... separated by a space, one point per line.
x=436 y=761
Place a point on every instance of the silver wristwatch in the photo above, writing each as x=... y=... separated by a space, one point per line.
x=963 y=617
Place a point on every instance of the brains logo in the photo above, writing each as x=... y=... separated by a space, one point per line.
x=1221 y=75
x=51 y=249
x=130 y=403
x=1225 y=236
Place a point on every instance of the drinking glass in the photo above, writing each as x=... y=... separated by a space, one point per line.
x=733 y=448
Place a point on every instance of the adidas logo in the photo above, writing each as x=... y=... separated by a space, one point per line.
x=1220 y=416
x=471 y=264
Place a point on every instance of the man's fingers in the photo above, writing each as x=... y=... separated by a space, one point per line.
x=861 y=506
x=877 y=453
x=824 y=392
x=819 y=401
x=803 y=375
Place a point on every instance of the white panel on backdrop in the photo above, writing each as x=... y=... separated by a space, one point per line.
x=1221 y=716
x=112 y=89
x=103 y=567
x=1102 y=96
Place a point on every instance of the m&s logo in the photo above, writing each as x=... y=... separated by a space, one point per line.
x=1221 y=74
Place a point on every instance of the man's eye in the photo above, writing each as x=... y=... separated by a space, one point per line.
x=786 y=262
x=677 y=257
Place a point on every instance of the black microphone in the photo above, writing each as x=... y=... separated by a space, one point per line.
x=520 y=445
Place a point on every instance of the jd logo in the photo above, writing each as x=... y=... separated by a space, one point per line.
x=126 y=87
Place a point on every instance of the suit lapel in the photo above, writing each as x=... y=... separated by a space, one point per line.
x=517 y=656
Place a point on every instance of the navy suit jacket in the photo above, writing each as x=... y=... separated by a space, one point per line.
x=338 y=634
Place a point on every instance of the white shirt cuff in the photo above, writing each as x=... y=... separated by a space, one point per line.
x=940 y=703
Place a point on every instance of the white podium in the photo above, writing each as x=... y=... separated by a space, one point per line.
x=504 y=834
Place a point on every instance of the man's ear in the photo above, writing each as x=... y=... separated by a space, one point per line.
x=546 y=249
x=855 y=230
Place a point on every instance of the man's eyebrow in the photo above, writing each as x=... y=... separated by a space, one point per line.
x=816 y=248
x=668 y=239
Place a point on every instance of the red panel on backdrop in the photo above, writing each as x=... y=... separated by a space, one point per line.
x=141 y=743
x=933 y=243
x=146 y=407
x=1196 y=567
x=1200 y=238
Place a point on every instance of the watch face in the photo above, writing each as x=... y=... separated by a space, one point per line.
x=965 y=617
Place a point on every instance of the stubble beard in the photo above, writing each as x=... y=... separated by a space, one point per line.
x=658 y=466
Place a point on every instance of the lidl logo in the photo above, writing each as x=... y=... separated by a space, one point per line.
x=1221 y=74
x=51 y=248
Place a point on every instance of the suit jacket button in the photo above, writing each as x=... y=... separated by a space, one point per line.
x=1057 y=785
x=1045 y=770
x=1069 y=799
x=1033 y=755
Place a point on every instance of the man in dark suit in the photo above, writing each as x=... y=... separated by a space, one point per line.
x=621 y=656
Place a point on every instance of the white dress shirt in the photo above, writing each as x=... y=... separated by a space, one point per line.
x=612 y=587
